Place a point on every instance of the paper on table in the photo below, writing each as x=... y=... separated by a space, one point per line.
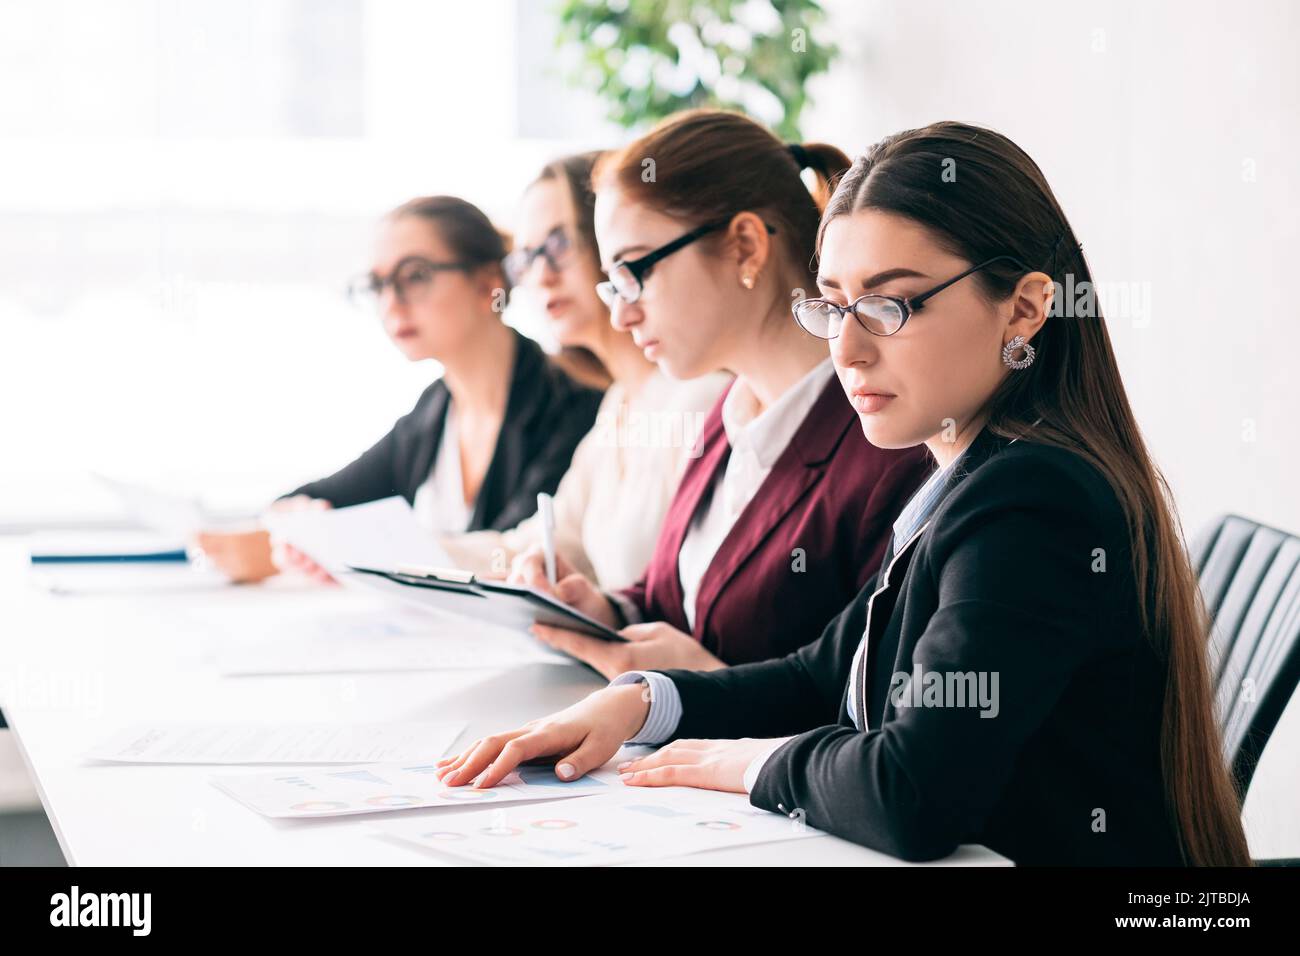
x=277 y=743
x=128 y=578
x=629 y=825
x=374 y=640
x=380 y=533
x=378 y=788
x=170 y=514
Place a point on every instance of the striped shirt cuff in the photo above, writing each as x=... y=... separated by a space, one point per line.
x=665 y=706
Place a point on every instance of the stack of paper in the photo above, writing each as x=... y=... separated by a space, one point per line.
x=380 y=534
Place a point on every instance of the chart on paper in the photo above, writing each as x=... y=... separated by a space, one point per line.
x=629 y=825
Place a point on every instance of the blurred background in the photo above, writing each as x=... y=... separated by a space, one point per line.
x=188 y=185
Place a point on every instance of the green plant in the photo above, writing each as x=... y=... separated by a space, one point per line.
x=649 y=58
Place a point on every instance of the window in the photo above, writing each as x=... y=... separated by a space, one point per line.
x=185 y=189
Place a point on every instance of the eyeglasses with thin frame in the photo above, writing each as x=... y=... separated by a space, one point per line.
x=554 y=249
x=627 y=279
x=409 y=280
x=878 y=314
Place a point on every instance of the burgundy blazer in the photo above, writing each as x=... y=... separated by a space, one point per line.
x=802 y=548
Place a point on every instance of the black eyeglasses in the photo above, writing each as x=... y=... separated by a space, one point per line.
x=627 y=279
x=410 y=280
x=878 y=314
x=554 y=249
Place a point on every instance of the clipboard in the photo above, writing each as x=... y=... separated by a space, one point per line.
x=510 y=605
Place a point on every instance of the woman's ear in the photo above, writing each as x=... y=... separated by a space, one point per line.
x=752 y=246
x=490 y=284
x=1030 y=304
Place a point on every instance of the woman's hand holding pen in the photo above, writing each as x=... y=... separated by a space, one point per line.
x=582 y=737
x=652 y=645
x=529 y=569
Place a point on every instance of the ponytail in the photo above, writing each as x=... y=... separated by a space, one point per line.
x=704 y=166
x=828 y=163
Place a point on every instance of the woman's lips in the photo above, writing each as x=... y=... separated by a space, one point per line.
x=555 y=306
x=403 y=334
x=646 y=345
x=868 y=403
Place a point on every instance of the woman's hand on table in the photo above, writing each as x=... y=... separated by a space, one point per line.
x=582 y=738
x=706 y=764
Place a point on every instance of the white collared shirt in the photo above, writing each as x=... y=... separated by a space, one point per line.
x=757 y=440
x=910 y=521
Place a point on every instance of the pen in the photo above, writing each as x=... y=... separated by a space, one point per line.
x=546 y=509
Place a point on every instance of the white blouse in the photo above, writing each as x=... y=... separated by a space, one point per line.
x=612 y=500
x=440 y=506
x=757 y=441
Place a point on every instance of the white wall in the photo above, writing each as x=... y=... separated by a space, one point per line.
x=185 y=190
x=1169 y=132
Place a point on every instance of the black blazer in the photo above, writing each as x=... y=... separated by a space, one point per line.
x=546 y=416
x=1002 y=580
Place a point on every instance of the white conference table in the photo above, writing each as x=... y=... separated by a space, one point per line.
x=75 y=668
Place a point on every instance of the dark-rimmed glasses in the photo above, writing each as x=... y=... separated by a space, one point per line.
x=878 y=314
x=410 y=279
x=554 y=248
x=627 y=279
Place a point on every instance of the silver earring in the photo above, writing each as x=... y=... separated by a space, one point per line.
x=1009 y=350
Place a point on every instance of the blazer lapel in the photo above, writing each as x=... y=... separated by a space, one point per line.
x=796 y=471
x=880 y=608
x=509 y=452
x=873 y=680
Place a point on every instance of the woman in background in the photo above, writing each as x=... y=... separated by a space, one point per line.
x=783 y=515
x=612 y=500
x=499 y=426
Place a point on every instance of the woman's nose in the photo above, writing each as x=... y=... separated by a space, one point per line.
x=390 y=306
x=623 y=315
x=854 y=345
x=541 y=275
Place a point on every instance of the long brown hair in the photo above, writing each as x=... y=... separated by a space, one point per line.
x=708 y=165
x=982 y=196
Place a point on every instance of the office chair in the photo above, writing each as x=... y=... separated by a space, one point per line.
x=1250 y=580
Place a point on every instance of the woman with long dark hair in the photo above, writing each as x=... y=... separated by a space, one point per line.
x=1028 y=670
